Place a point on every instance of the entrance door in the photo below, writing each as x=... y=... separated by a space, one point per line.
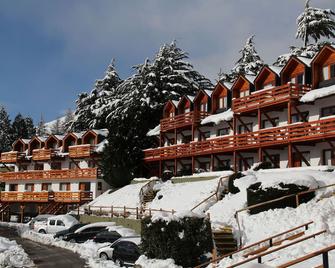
x=297 y=161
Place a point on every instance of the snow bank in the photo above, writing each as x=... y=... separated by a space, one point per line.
x=13 y=255
x=168 y=217
x=218 y=118
x=123 y=231
x=155 y=263
x=318 y=93
x=127 y=196
x=182 y=196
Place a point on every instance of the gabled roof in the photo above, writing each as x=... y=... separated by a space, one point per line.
x=187 y=97
x=23 y=141
x=38 y=138
x=101 y=132
x=322 y=50
x=273 y=69
x=249 y=78
x=208 y=93
x=306 y=61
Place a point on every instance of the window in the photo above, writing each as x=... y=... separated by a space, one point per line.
x=29 y=187
x=74 y=165
x=297 y=118
x=223 y=131
x=84 y=186
x=56 y=165
x=332 y=71
x=64 y=186
x=171 y=114
x=268 y=85
x=203 y=107
x=187 y=139
x=325 y=73
x=275 y=160
x=92 y=164
x=52 y=222
x=246 y=163
x=328 y=157
x=38 y=166
x=187 y=110
x=298 y=79
x=328 y=111
x=13 y=187
x=223 y=102
x=204 y=135
x=46 y=187
x=245 y=128
x=60 y=223
x=224 y=164
x=99 y=186
x=266 y=123
x=244 y=93
x=23 y=168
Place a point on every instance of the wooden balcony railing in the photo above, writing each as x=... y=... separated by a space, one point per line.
x=12 y=157
x=182 y=120
x=299 y=132
x=72 y=197
x=268 y=97
x=80 y=151
x=64 y=197
x=85 y=173
x=44 y=154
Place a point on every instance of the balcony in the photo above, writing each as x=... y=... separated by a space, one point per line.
x=81 y=151
x=295 y=133
x=182 y=120
x=269 y=97
x=12 y=157
x=44 y=154
x=44 y=197
x=67 y=174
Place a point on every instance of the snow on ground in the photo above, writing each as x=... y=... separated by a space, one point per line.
x=318 y=93
x=155 y=263
x=182 y=196
x=127 y=196
x=13 y=255
x=262 y=225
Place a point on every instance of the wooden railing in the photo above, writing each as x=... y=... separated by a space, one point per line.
x=323 y=252
x=269 y=240
x=12 y=157
x=300 y=132
x=44 y=154
x=268 y=97
x=125 y=212
x=259 y=257
x=80 y=151
x=65 y=197
x=85 y=173
x=182 y=120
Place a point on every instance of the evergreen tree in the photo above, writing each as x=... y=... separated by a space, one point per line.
x=249 y=63
x=139 y=98
x=90 y=107
x=315 y=23
x=56 y=127
x=5 y=131
x=31 y=131
x=67 y=121
x=40 y=129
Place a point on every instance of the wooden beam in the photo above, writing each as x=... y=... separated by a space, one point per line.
x=230 y=124
x=270 y=157
x=212 y=163
x=301 y=115
x=259 y=119
x=6 y=166
x=241 y=121
x=74 y=162
x=260 y=154
x=330 y=144
x=289 y=112
x=243 y=159
x=235 y=161
x=289 y=151
x=301 y=155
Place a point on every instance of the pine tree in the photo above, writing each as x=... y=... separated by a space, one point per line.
x=5 y=131
x=40 y=129
x=142 y=97
x=90 y=108
x=56 y=127
x=315 y=23
x=249 y=63
x=67 y=121
x=31 y=131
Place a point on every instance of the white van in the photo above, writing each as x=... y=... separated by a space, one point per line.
x=58 y=223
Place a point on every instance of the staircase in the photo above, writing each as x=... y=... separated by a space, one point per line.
x=147 y=198
x=54 y=208
x=224 y=240
x=147 y=194
x=4 y=206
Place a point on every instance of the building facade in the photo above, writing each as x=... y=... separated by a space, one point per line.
x=285 y=116
x=52 y=174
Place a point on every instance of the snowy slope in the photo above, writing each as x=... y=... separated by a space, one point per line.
x=49 y=125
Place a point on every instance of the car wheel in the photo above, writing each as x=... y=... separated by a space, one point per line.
x=118 y=262
x=103 y=256
x=42 y=231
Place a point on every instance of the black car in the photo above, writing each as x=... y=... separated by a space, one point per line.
x=124 y=252
x=72 y=229
x=106 y=236
x=84 y=235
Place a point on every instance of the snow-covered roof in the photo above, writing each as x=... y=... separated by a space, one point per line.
x=208 y=92
x=155 y=131
x=60 y=137
x=217 y=118
x=78 y=134
x=175 y=103
x=26 y=141
x=191 y=98
x=318 y=93
x=306 y=61
x=250 y=78
x=102 y=132
x=227 y=84
x=275 y=69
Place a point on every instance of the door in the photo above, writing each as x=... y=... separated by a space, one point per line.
x=296 y=160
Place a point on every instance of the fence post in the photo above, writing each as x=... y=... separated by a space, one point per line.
x=100 y=211
x=124 y=211
x=297 y=200
x=137 y=213
x=89 y=210
x=150 y=212
x=325 y=260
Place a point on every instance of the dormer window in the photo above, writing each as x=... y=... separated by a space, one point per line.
x=298 y=79
x=187 y=110
x=223 y=102
x=244 y=93
x=328 y=72
x=268 y=85
x=171 y=114
x=203 y=107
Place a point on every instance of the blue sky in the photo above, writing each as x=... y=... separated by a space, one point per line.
x=53 y=50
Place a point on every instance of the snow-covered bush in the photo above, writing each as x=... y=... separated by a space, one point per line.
x=168 y=236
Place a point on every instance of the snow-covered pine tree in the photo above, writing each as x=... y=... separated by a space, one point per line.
x=56 y=127
x=67 y=121
x=40 y=129
x=138 y=102
x=91 y=107
x=249 y=63
x=315 y=23
x=5 y=131
x=19 y=128
x=29 y=127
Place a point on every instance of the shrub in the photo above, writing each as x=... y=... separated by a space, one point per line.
x=231 y=187
x=183 y=240
x=256 y=194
